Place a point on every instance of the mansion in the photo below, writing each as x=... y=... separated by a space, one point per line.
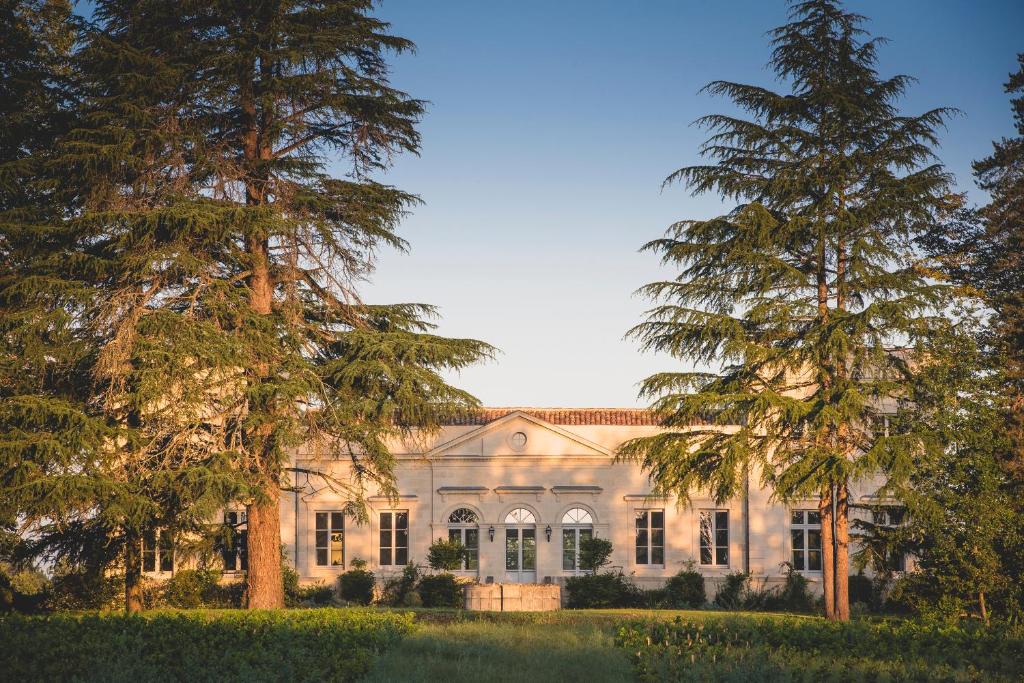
x=520 y=488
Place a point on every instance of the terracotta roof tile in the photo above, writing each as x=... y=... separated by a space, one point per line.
x=564 y=416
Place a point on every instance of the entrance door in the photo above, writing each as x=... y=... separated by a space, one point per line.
x=520 y=547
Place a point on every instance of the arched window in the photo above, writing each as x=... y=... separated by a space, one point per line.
x=577 y=516
x=463 y=516
x=577 y=526
x=520 y=516
x=463 y=526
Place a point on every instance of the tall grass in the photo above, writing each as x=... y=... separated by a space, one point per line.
x=513 y=648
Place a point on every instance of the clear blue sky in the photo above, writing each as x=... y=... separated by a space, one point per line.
x=550 y=129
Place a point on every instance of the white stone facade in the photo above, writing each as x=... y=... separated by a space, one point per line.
x=520 y=474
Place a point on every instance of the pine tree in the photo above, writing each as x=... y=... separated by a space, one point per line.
x=983 y=250
x=794 y=297
x=1001 y=276
x=106 y=433
x=35 y=38
x=248 y=282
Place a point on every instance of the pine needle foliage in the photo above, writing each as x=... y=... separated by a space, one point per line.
x=983 y=251
x=215 y=261
x=273 y=245
x=794 y=299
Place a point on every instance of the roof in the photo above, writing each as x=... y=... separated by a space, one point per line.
x=563 y=416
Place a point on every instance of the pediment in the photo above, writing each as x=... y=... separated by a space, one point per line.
x=497 y=439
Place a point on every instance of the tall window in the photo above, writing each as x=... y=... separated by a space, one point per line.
x=714 y=538
x=235 y=550
x=520 y=541
x=805 y=534
x=394 y=538
x=330 y=539
x=890 y=517
x=577 y=526
x=464 y=527
x=157 y=551
x=650 y=537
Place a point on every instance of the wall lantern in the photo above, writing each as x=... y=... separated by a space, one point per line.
x=547 y=532
x=490 y=532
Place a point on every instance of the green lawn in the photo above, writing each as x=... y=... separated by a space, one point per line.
x=452 y=646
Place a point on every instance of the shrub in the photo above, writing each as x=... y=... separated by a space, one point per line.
x=400 y=591
x=795 y=595
x=356 y=585
x=192 y=588
x=318 y=594
x=447 y=555
x=290 y=579
x=74 y=589
x=23 y=591
x=604 y=590
x=440 y=590
x=861 y=589
x=304 y=645
x=733 y=590
x=595 y=553
x=790 y=649
x=685 y=589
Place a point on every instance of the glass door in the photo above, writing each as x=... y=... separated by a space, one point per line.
x=520 y=555
x=571 y=539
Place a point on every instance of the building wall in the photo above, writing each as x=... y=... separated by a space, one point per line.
x=480 y=466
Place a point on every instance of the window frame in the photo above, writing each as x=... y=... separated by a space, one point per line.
x=239 y=550
x=648 y=530
x=805 y=527
x=472 y=562
x=329 y=516
x=715 y=546
x=392 y=530
x=882 y=516
x=155 y=546
x=575 y=529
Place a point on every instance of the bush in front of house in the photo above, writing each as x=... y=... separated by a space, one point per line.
x=400 y=591
x=356 y=585
x=75 y=588
x=685 y=589
x=732 y=592
x=736 y=592
x=448 y=555
x=602 y=591
x=595 y=553
x=795 y=595
x=318 y=594
x=440 y=590
x=193 y=588
x=303 y=645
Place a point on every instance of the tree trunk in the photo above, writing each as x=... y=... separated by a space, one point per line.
x=981 y=605
x=827 y=553
x=133 y=574
x=842 y=570
x=263 y=580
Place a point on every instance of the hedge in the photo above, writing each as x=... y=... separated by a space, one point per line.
x=307 y=645
x=806 y=649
